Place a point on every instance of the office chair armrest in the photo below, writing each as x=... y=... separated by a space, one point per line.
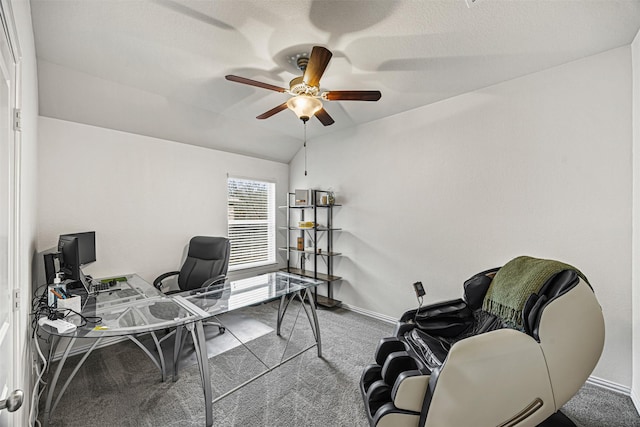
x=158 y=282
x=214 y=281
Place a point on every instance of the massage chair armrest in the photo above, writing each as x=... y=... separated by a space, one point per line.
x=504 y=359
x=401 y=328
x=409 y=390
x=445 y=319
x=430 y=310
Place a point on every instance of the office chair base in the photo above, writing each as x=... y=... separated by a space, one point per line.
x=558 y=420
x=221 y=329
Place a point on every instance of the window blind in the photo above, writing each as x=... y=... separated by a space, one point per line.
x=251 y=207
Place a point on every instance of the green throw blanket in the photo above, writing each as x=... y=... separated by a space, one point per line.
x=515 y=282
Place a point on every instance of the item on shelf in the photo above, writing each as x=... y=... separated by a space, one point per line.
x=300 y=243
x=306 y=224
x=302 y=197
x=324 y=200
x=331 y=198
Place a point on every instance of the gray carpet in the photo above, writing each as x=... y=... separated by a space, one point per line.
x=118 y=385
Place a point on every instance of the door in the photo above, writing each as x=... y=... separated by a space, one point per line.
x=8 y=374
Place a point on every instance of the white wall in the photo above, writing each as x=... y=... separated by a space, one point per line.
x=635 y=382
x=26 y=181
x=539 y=165
x=144 y=197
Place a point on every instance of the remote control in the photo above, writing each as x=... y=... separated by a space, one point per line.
x=60 y=325
x=419 y=289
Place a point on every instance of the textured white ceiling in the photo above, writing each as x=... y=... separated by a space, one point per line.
x=157 y=67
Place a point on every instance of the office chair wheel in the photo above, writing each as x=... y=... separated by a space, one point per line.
x=221 y=329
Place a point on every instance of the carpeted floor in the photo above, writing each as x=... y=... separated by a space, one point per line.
x=118 y=385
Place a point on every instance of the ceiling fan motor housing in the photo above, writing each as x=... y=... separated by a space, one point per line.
x=298 y=87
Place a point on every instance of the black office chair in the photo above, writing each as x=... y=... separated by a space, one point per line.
x=206 y=264
x=205 y=268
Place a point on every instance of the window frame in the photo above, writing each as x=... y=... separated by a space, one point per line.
x=271 y=251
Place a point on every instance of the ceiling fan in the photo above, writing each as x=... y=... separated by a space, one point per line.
x=305 y=90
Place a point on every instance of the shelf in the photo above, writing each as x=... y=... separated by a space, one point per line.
x=296 y=207
x=309 y=206
x=292 y=249
x=309 y=273
x=310 y=228
x=327 y=302
x=318 y=237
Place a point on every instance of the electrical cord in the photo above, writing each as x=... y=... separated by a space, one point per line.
x=415 y=316
x=40 y=308
x=35 y=396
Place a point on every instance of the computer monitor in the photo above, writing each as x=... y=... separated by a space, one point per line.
x=70 y=262
x=86 y=246
x=77 y=249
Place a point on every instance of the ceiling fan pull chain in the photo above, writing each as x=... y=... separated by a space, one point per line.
x=305 y=148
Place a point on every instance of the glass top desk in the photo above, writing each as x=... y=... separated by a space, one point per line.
x=138 y=308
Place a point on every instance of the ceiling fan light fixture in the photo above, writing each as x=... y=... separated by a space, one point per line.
x=304 y=106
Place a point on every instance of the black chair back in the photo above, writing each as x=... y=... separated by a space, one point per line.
x=208 y=257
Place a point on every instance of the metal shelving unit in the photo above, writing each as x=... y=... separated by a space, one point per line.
x=322 y=255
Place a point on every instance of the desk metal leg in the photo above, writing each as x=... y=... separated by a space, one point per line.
x=159 y=365
x=177 y=349
x=176 y=352
x=315 y=326
x=55 y=340
x=282 y=309
x=52 y=386
x=200 y=345
x=312 y=317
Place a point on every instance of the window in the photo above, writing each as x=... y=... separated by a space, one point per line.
x=251 y=207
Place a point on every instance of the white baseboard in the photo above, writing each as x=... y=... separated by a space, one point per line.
x=636 y=400
x=609 y=385
x=369 y=313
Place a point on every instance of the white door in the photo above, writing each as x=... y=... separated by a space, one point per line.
x=7 y=219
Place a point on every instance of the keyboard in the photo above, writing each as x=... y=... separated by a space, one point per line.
x=100 y=286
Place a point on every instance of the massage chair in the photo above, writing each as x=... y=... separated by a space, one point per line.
x=456 y=364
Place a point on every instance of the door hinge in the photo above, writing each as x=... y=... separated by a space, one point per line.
x=17 y=119
x=16 y=299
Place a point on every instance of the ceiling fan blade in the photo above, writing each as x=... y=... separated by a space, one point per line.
x=318 y=62
x=324 y=117
x=273 y=111
x=352 y=95
x=255 y=83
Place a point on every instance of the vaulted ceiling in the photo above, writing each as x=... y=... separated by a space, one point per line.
x=157 y=67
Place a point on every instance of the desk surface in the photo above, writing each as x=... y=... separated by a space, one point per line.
x=246 y=292
x=139 y=307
